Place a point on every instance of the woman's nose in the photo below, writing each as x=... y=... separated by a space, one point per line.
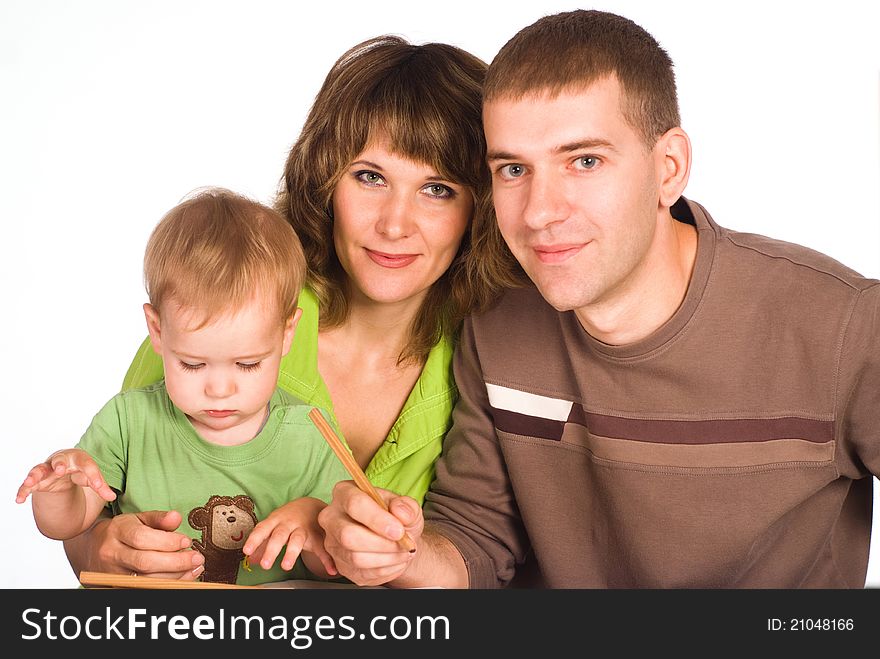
x=396 y=217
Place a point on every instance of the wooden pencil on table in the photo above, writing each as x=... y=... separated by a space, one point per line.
x=353 y=468
x=107 y=580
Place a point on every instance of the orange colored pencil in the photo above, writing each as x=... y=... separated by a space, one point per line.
x=107 y=580
x=353 y=468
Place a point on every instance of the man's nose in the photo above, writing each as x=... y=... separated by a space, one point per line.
x=546 y=202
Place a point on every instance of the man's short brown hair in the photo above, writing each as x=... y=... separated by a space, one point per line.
x=572 y=50
x=215 y=250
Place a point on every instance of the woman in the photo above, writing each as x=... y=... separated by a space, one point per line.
x=387 y=188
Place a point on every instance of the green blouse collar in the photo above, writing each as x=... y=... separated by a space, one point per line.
x=299 y=375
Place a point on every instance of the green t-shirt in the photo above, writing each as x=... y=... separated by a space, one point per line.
x=405 y=461
x=149 y=452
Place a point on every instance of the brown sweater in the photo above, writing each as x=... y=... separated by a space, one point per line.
x=734 y=447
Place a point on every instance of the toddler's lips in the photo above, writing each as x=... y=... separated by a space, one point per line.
x=219 y=414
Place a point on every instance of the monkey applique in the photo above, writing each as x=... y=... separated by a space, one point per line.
x=225 y=523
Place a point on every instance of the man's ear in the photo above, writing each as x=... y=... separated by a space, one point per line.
x=673 y=158
x=289 y=330
x=154 y=327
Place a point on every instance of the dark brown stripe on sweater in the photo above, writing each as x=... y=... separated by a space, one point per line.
x=531 y=426
x=668 y=431
x=703 y=432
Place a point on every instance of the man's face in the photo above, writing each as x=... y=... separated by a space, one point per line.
x=576 y=193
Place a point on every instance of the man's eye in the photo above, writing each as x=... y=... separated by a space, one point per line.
x=190 y=367
x=586 y=162
x=512 y=171
x=253 y=366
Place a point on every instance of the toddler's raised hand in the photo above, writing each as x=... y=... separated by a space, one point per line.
x=62 y=471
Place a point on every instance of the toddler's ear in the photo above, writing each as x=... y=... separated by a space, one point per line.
x=289 y=330
x=153 y=327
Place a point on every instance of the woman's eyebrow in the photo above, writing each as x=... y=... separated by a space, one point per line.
x=433 y=176
x=440 y=179
x=368 y=163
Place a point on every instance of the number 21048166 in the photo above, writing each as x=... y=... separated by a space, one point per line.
x=810 y=624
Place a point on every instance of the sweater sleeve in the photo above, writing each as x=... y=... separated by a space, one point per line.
x=145 y=369
x=471 y=501
x=859 y=385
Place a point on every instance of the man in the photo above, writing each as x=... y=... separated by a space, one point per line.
x=672 y=404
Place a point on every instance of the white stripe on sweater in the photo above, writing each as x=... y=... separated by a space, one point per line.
x=513 y=400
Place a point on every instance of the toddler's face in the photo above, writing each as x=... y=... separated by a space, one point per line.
x=221 y=375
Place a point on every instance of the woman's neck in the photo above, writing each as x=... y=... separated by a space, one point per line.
x=359 y=362
x=379 y=331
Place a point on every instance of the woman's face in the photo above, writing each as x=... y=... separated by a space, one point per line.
x=397 y=224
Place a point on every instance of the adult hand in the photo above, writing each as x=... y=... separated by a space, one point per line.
x=363 y=538
x=145 y=544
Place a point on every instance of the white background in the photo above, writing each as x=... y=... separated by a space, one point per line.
x=111 y=111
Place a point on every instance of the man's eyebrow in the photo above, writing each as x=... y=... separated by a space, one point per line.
x=568 y=147
x=499 y=155
x=580 y=145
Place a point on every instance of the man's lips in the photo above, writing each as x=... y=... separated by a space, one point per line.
x=387 y=260
x=553 y=254
x=219 y=414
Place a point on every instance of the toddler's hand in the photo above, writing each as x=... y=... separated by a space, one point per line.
x=294 y=524
x=62 y=471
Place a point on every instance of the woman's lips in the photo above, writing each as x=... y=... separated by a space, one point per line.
x=391 y=260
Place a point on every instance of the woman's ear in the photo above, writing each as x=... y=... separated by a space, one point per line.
x=154 y=327
x=289 y=330
x=673 y=160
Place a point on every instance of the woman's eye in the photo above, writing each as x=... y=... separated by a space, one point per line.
x=190 y=367
x=586 y=162
x=249 y=367
x=439 y=191
x=370 y=178
x=512 y=171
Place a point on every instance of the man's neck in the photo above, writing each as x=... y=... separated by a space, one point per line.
x=652 y=294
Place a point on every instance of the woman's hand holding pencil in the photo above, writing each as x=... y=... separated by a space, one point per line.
x=353 y=468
